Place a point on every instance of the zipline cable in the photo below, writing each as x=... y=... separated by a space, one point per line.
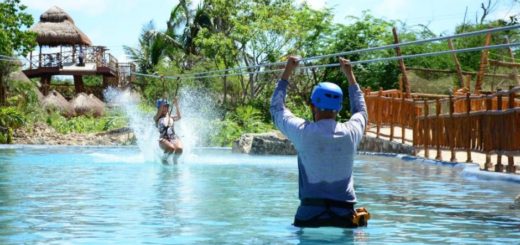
x=11 y=60
x=7 y=56
x=411 y=56
x=391 y=46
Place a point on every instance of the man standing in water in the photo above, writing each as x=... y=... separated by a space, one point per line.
x=326 y=150
x=168 y=141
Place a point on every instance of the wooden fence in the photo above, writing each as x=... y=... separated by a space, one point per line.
x=488 y=123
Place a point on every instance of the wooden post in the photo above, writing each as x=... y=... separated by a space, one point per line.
x=392 y=116
x=499 y=167
x=426 y=134
x=78 y=84
x=467 y=82
x=40 y=58
x=45 y=82
x=30 y=60
x=402 y=67
x=401 y=89
x=511 y=168
x=468 y=130
x=483 y=65
x=438 y=128
x=488 y=164
x=365 y=94
x=379 y=103
x=457 y=64
x=403 y=130
x=106 y=82
x=73 y=54
x=452 y=135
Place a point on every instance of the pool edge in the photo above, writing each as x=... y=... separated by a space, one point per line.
x=468 y=169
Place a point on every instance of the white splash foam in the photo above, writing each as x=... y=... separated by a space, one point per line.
x=140 y=122
x=198 y=110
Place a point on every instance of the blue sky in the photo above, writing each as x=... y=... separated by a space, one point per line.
x=114 y=23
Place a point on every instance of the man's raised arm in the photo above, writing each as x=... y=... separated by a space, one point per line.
x=284 y=120
x=358 y=107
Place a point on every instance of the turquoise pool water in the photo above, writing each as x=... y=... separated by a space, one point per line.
x=77 y=195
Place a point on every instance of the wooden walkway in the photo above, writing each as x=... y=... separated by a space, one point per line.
x=444 y=128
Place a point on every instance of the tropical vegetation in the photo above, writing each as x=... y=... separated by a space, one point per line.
x=226 y=34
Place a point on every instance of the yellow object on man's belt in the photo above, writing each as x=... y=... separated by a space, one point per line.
x=361 y=217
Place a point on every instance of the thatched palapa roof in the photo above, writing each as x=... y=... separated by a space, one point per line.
x=55 y=101
x=88 y=105
x=56 y=27
x=19 y=76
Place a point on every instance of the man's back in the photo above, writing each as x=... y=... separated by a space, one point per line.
x=325 y=149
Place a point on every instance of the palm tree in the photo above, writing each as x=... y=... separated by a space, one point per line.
x=183 y=27
x=177 y=42
x=149 y=52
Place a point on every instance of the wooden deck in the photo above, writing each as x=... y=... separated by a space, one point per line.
x=94 y=61
x=74 y=70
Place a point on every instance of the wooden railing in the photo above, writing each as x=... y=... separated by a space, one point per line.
x=124 y=72
x=93 y=54
x=390 y=108
x=489 y=123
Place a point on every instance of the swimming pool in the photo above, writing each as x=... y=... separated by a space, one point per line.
x=93 y=195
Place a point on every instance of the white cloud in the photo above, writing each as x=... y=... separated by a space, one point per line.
x=90 y=7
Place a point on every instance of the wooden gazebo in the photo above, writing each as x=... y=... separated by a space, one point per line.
x=65 y=50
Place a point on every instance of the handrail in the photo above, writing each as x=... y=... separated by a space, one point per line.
x=481 y=123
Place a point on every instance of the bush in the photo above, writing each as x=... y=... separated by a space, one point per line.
x=228 y=131
x=245 y=119
x=84 y=124
x=10 y=118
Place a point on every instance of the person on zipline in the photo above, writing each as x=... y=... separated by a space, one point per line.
x=168 y=141
x=326 y=150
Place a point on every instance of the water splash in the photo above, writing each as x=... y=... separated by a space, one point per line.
x=139 y=121
x=198 y=111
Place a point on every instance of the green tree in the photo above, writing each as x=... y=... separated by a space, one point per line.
x=14 y=40
x=148 y=54
x=177 y=42
x=249 y=33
